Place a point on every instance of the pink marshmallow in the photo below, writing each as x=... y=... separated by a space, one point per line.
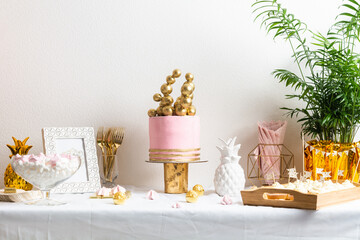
x=226 y=200
x=152 y=195
x=118 y=188
x=176 y=205
x=103 y=192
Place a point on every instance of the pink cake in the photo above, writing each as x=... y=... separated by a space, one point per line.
x=174 y=138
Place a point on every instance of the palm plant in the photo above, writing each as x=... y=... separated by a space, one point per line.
x=329 y=69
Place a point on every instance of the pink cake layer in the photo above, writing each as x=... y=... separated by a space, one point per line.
x=174 y=137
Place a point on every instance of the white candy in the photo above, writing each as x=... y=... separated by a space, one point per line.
x=45 y=171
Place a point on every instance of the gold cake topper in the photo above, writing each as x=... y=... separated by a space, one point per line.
x=183 y=104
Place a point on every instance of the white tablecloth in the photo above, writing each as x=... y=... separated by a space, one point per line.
x=139 y=218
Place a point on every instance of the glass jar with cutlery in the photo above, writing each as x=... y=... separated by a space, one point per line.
x=109 y=140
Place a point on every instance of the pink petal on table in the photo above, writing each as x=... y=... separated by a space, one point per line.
x=152 y=195
x=226 y=200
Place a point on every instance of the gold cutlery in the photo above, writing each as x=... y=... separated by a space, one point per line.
x=100 y=137
x=117 y=138
x=109 y=140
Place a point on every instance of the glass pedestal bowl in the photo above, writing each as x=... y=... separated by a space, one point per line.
x=45 y=172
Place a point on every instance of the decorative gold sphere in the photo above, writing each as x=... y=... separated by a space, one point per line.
x=178 y=100
x=159 y=111
x=180 y=111
x=119 y=198
x=177 y=108
x=176 y=73
x=193 y=85
x=170 y=80
x=199 y=189
x=167 y=100
x=166 y=89
x=191 y=196
x=187 y=89
x=191 y=111
x=152 y=113
x=157 y=97
x=189 y=77
x=167 y=111
x=185 y=102
x=162 y=103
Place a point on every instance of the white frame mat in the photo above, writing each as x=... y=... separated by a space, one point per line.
x=79 y=141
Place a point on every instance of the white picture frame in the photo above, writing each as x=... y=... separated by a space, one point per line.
x=76 y=141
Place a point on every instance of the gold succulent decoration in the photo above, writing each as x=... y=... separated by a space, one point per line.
x=11 y=179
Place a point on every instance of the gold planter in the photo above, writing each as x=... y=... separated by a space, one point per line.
x=340 y=159
x=176 y=177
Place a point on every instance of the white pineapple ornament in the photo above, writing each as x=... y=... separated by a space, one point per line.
x=229 y=175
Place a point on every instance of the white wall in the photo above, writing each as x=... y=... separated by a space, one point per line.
x=95 y=62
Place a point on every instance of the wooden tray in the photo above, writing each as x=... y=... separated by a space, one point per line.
x=294 y=199
x=19 y=196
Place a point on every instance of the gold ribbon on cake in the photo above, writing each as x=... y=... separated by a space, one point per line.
x=174 y=155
